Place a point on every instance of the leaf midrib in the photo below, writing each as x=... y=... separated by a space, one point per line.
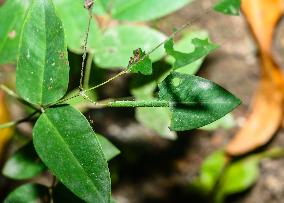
x=73 y=156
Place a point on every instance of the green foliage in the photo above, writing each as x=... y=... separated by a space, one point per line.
x=68 y=146
x=228 y=7
x=194 y=101
x=62 y=137
x=23 y=164
x=31 y=193
x=224 y=177
x=42 y=65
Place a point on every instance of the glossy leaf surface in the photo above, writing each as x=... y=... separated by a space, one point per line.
x=195 y=101
x=144 y=10
x=24 y=164
x=31 y=193
x=15 y=11
x=42 y=68
x=68 y=146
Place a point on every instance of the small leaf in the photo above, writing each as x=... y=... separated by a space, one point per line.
x=141 y=10
x=228 y=7
x=140 y=63
x=110 y=151
x=238 y=177
x=194 y=101
x=31 y=193
x=15 y=11
x=118 y=43
x=66 y=143
x=211 y=170
x=75 y=22
x=24 y=164
x=42 y=69
x=202 y=48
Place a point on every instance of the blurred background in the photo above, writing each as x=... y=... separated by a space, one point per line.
x=154 y=166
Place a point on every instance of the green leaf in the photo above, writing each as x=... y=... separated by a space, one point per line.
x=110 y=151
x=228 y=7
x=185 y=45
x=141 y=10
x=75 y=22
x=140 y=62
x=31 y=193
x=195 y=101
x=24 y=164
x=202 y=49
x=12 y=15
x=225 y=122
x=42 y=69
x=238 y=177
x=118 y=43
x=67 y=145
x=211 y=170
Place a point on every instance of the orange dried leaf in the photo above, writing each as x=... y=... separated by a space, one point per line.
x=266 y=116
x=267 y=113
x=262 y=16
x=5 y=134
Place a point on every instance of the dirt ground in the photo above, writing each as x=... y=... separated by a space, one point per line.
x=151 y=169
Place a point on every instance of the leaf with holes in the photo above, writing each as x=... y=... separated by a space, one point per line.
x=24 y=164
x=42 y=65
x=31 y=193
x=202 y=49
x=228 y=7
x=15 y=11
x=141 y=10
x=194 y=101
x=67 y=145
x=185 y=45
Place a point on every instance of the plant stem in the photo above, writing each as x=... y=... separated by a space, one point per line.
x=13 y=123
x=85 y=48
x=133 y=104
x=88 y=70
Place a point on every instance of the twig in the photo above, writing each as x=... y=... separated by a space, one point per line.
x=11 y=93
x=14 y=123
x=89 y=6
